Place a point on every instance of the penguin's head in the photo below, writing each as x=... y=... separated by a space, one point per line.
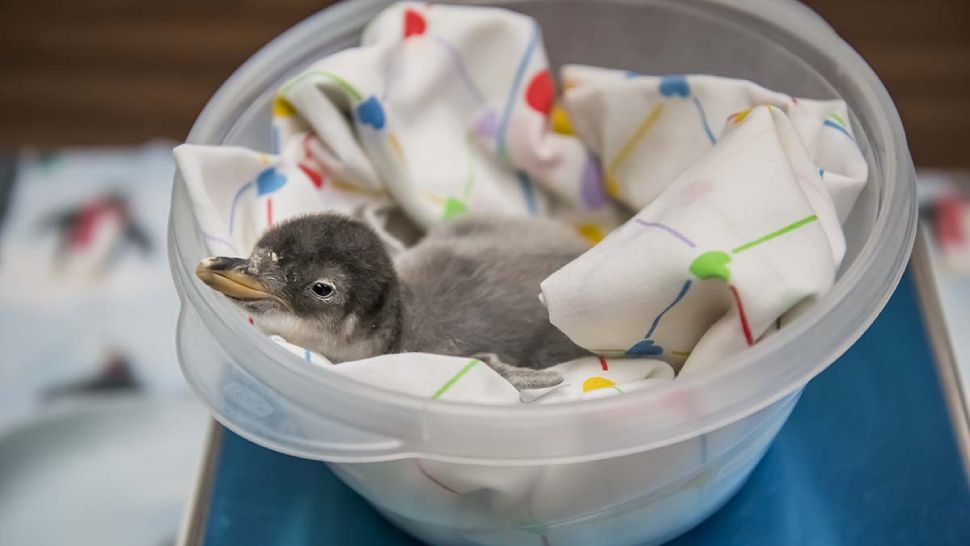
x=322 y=281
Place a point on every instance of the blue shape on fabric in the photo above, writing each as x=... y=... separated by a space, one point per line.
x=674 y=86
x=269 y=181
x=371 y=113
x=645 y=347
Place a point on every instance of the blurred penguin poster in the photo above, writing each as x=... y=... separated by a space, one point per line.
x=86 y=302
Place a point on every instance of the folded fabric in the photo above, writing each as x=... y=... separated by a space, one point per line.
x=714 y=261
x=650 y=129
x=440 y=377
x=445 y=109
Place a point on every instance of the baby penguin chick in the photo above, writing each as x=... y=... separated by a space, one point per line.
x=469 y=288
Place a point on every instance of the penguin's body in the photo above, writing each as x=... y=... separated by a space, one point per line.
x=472 y=286
x=469 y=288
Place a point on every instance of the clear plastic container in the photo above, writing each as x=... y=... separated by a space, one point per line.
x=633 y=469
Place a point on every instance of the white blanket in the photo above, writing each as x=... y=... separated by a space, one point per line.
x=444 y=109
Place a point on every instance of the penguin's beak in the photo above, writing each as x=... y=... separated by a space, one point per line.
x=231 y=277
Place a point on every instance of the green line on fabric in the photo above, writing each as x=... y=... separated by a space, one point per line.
x=451 y=382
x=837 y=118
x=774 y=234
x=342 y=83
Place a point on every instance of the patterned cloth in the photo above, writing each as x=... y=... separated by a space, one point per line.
x=446 y=109
x=714 y=261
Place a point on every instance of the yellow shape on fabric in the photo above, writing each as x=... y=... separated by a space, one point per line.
x=396 y=146
x=282 y=108
x=560 y=121
x=642 y=131
x=739 y=116
x=612 y=188
x=591 y=232
x=354 y=188
x=596 y=382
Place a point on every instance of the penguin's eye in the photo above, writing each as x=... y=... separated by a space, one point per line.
x=322 y=289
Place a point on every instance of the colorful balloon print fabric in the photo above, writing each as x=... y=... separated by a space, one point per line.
x=631 y=120
x=445 y=110
x=711 y=264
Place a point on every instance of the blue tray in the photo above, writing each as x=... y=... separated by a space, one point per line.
x=867 y=458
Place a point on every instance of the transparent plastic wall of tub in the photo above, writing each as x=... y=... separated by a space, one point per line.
x=271 y=397
x=647 y=496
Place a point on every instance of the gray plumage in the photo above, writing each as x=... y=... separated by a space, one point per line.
x=472 y=286
x=469 y=288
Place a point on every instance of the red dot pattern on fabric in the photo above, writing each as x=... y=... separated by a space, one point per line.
x=541 y=94
x=414 y=23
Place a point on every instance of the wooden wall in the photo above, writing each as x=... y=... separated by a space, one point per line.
x=76 y=72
